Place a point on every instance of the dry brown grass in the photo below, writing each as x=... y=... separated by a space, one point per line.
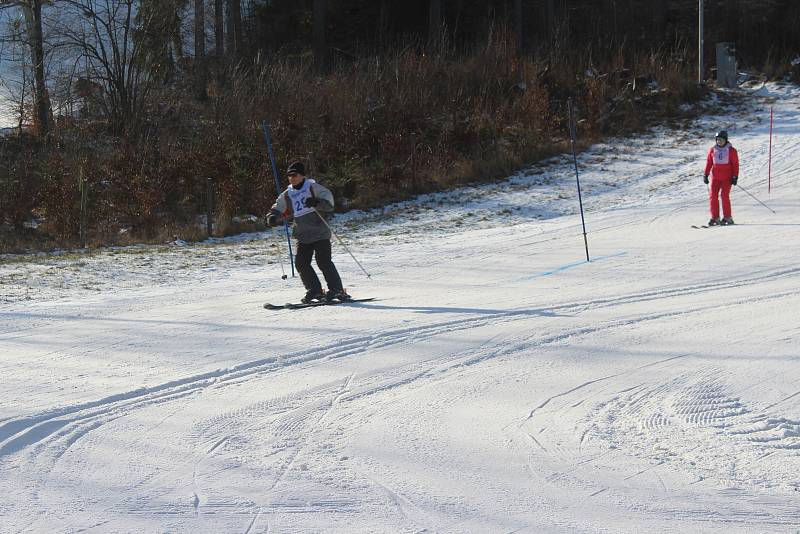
x=375 y=130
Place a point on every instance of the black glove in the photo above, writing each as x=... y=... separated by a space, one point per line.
x=705 y=179
x=734 y=180
x=272 y=220
x=311 y=202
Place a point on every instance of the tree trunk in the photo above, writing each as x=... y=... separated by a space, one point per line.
x=234 y=28
x=458 y=9
x=200 y=48
x=549 y=17
x=238 y=36
x=384 y=24
x=518 y=26
x=659 y=20
x=23 y=95
x=175 y=31
x=434 y=24
x=610 y=16
x=219 y=29
x=33 y=20
x=320 y=48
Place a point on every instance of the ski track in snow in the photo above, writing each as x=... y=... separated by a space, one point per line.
x=21 y=433
x=617 y=403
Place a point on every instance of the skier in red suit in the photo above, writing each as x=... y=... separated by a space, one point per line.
x=722 y=164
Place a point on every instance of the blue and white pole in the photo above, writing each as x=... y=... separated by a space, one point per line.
x=265 y=127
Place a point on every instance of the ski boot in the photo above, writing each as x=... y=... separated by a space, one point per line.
x=337 y=294
x=714 y=222
x=727 y=221
x=313 y=295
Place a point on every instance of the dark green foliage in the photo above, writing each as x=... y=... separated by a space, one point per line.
x=355 y=25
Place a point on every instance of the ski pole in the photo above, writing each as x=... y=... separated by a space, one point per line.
x=342 y=243
x=280 y=253
x=265 y=127
x=749 y=193
x=573 y=135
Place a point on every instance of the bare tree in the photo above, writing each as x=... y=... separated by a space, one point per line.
x=659 y=10
x=102 y=34
x=318 y=31
x=383 y=23
x=219 y=29
x=158 y=31
x=549 y=17
x=235 y=38
x=434 y=22
x=518 y=25
x=200 y=48
x=32 y=12
x=16 y=90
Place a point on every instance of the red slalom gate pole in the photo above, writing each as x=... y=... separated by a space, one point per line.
x=769 y=171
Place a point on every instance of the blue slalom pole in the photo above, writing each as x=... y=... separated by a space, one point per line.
x=265 y=127
x=571 y=107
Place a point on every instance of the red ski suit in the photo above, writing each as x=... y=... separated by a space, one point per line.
x=722 y=164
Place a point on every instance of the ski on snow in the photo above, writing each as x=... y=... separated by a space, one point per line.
x=300 y=305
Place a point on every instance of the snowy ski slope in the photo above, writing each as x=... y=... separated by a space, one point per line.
x=500 y=384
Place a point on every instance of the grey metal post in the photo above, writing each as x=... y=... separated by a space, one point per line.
x=700 y=43
x=83 y=188
x=209 y=207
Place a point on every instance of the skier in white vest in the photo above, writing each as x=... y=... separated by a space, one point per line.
x=303 y=203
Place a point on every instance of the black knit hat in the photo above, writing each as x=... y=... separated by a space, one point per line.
x=296 y=167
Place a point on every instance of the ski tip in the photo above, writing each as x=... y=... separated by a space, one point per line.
x=270 y=306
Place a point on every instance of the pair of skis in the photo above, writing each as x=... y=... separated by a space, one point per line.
x=301 y=305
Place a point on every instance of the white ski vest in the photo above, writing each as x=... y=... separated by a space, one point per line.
x=297 y=198
x=722 y=155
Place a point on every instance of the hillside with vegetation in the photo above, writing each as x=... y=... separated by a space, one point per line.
x=140 y=120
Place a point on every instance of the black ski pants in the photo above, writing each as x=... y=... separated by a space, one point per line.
x=322 y=251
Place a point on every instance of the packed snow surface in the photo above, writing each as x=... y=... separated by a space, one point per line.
x=501 y=383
